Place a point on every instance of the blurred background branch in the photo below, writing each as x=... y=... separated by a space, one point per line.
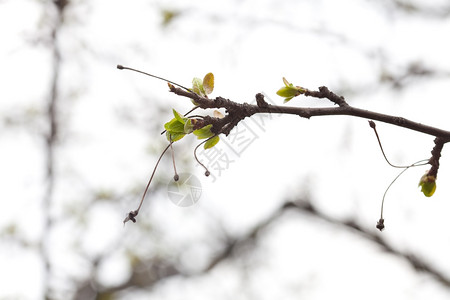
x=78 y=141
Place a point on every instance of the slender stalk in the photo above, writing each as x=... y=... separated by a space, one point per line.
x=151 y=177
x=416 y=164
x=132 y=214
x=373 y=126
x=120 y=67
x=207 y=173
x=175 y=177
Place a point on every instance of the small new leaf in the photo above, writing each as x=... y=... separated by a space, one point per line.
x=174 y=136
x=289 y=91
x=178 y=116
x=428 y=184
x=211 y=142
x=197 y=87
x=188 y=126
x=208 y=83
x=174 y=126
x=204 y=132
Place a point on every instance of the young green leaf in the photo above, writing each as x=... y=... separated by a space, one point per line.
x=211 y=142
x=289 y=91
x=197 y=86
x=178 y=116
x=204 y=132
x=428 y=184
x=188 y=126
x=208 y=83
x=174 y=136
x=174 y=126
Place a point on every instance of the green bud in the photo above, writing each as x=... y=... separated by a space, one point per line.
x=178 y=116
x=197 y=86
x=289 y=91
x=428 y=184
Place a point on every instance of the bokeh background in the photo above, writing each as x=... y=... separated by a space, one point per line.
x=290 y=216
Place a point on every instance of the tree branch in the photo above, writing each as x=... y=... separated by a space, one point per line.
x=237 y=112
x=419 y=264
x=306 y=207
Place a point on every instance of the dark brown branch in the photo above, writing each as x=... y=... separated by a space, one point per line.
x=131 y=216
x=324 y=92
x=241 y=111
x=436 y=155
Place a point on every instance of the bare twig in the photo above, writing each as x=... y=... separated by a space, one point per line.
x=241 y=111
x=131 y=216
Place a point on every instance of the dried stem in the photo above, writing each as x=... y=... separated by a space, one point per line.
x=120 y=67
x=132 y=214
x=175 y=177
x=207 y=173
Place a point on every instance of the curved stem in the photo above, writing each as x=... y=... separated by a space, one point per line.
x=373 y=126
x=132 y=214
x=207 y=173
x=416 y=164
x=120 y=67
x=175 y=177
x=151 y=177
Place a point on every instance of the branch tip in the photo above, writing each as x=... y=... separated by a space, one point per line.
x=380 y=224
x=131 y=216
x=260 y=101
x=207 y=173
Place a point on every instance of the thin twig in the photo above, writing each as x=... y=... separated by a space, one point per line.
x=207 y=173
x=175 y=177
x=132 y=214
x=380 y=224
x=308 y=112
x=120 y=67
x=151 y=177
x=373 y=126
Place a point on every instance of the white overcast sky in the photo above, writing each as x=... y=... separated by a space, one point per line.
x=107 y=120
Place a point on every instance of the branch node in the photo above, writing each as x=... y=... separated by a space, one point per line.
x=380 y=224
x=399 y=121
x=260 y=101
x=435 y=156
x=131 y=216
